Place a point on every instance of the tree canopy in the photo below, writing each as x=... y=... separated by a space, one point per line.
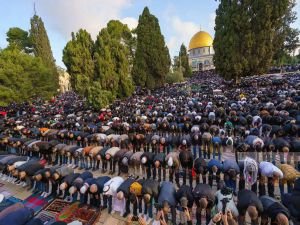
x=22 y=77
x=182 y=62
x=152 y=60
x=41 y=45
x=249 y=34
x=18 y=38
x=78 y=58
x=27 y=66
x=100 y=70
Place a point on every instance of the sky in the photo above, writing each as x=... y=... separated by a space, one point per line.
x=179 y=19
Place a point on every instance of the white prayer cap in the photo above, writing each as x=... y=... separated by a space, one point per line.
x=170 y=162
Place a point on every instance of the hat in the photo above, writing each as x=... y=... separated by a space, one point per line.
x=183 y=202
x=170 y=162
x=125 y=161
x=83 y=189
x=229 y=141
x=144 y=160
x=184 y=142
x=72 y=190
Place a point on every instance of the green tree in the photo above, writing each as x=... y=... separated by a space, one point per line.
x=112 y=56
x=228 y=59
x=250 y=34
x=100 y=71
x=152 y=60
x=23 y=76
x=121 y=32
x=16 y=37
x=286 y=38
x=184 y=61
x=174 y=77
x=78 y=58
x=41 y=45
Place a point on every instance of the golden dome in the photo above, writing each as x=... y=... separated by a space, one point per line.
x=201 y=39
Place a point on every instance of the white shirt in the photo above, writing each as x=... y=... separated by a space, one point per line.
x=113 y=184
x=268 y=169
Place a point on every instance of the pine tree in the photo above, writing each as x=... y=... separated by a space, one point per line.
x=78 y=58
x=250 y=34
x=41 y=45
x=286 y=37
x=152 y=60
x=184 y=61
x=227 y=59
x=19 y=73
x=16 y=37
x=112 y=57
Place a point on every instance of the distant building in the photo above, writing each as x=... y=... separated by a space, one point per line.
x=201 y=52
x=64 y=81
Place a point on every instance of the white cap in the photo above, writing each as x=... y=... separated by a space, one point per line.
x=125 y=161
x=170 y=162
x=72 y=190
x=83 y=189
x=144 y=160
x=184 y=142
x=1 y=197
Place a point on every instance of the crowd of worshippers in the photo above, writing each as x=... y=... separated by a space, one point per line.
x=172 y=141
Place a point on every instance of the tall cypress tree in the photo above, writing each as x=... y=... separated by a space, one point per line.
x=112 y=57
x=152 y=59
x=184 y=61
x=78 y=58
x=286 y=37
x=41 y=45
x=248 y=35
x=227 y=59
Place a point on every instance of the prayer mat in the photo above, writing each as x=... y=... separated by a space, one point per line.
x=57 y=206
x=8 y=202
x=87 y=215
x=14 y=199
x=36 y=202
x=46 y=216
x=68 y=213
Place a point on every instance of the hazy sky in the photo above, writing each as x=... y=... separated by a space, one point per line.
x=179 y=19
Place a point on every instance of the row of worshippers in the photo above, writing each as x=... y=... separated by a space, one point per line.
x=26 y=171
x=143 y=196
